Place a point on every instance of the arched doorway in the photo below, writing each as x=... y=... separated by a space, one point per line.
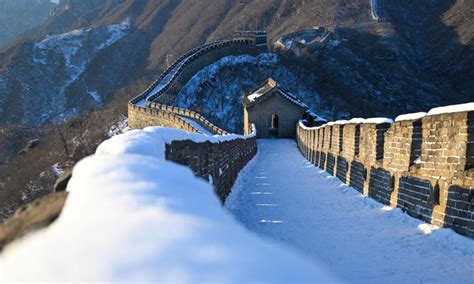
x=273 y=130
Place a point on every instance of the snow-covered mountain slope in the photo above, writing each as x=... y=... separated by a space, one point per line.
x=58 y=62
x=417 y=57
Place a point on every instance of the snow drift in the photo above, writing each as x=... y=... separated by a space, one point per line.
x=131 y=216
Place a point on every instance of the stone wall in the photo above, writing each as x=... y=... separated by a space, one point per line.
x=261 y=114
x=147 y=109
x=221 y=161
x=216 y=162
x=194 y=60
x=423 y=165
x=405 y=145
x=181 y=112
x=140 y=117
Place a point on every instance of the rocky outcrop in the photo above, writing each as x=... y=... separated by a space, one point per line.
x=34 y=216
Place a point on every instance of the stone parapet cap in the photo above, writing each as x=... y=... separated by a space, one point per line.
x=410 y=116
x=378 y=120
x=467 y=107
x=304 y=127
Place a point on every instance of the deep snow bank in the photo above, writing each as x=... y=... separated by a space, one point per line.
x=131 y=216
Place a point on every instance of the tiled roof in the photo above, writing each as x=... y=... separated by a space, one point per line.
x=266 y=90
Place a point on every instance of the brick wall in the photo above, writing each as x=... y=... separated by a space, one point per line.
x=404 y=145
x=350 y=141
x=341 y=168
x=189 y=114
x=372 y=138
x=358 y=176
x=331 y=163
x=139 y=117
x=425 y=166
x=417 y=197
x=459 y=210
x=220 y=162
x=381 y=185
x=288 y=115
x=446 y=150
x=322 y=160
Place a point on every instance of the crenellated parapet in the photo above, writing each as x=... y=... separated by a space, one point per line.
x=422 y=163
x=218 y=159
x=161 y=94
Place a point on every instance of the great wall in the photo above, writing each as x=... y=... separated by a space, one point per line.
x=220 y=162
x=365 y=199
x=153 y=106
x=423 y=164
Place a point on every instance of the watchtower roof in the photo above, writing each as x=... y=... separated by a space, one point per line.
x=267 y=89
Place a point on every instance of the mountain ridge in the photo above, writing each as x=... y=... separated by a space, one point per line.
x=166 y=29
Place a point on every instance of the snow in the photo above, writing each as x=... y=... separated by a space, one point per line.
x=334 y=43
x=341 y=122
x=120 y=127
x=373 y=9
x=57 y=170
x=301 y=122
x=257 y=94
x=410 y=116
x=170 y=76
x=338 y=122
x=73 y=52
x=69 y=43
x=315 y=116
x=292 y=98
x=132 y=217
x=197 y=126
x=378 y=120
x=283 y=197
x=219 y=87
x=417 y=160
x=356 y=120
x=151 y=141
x=452 y=108
x=116 y=32
x=165 y=81
x=96 y=97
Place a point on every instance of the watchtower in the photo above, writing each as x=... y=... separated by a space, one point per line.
x=273 y=110
x=259 y=38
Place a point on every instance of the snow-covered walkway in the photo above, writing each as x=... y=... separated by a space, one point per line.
x=281 y=196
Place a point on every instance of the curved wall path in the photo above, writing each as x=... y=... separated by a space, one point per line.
x=282 y=196
x=153 y=106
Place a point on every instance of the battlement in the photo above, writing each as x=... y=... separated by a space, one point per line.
x=149 y=107
x=422 y=163
x=259 y=38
